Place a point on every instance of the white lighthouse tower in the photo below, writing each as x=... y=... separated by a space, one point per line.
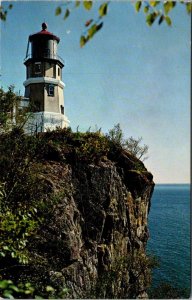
x=43 y=85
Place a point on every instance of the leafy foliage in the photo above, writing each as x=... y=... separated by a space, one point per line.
x=15 y=228
x=22 y=213
x=67 y=13
x=11 y=115
x=130 y=144
x=17 y=156
x=4 y=11
x=153 y=10
x=92 y=26
x=116 y=134
x=87 y=4
x=25 y=290
x=58 y=11
x=91 y=146
x=159 y=10
x=103 y=9
x=8 y=103
x=8 y=289
x=134 y=146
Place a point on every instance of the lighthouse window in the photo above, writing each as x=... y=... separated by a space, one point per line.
x=47 y=52
x=62 y=109
x=51 y=90
x=37 y=68
x=58 y=71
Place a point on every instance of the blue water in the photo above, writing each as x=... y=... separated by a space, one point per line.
x=169 y=225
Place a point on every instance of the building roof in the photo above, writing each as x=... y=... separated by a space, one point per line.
x=44 y=33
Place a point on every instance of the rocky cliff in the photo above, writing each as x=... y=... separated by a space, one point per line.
x=93 y=237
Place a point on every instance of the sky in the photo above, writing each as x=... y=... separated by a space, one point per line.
x=129 y=73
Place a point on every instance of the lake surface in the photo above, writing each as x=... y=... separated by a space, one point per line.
x=169 y=225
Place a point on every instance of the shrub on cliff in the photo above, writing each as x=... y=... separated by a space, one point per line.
x=131 y=144
x=23 y=194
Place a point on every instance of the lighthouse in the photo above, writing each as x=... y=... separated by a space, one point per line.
x=44 y=87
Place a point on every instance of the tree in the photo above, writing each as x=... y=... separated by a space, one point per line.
x=154 y=11
x=116 y=134
x=133 y=145
x=12 y=114
x=9 y=102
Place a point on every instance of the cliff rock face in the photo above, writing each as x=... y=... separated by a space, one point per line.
x=95 y=235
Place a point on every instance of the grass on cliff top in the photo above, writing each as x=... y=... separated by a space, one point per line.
x=94 y=146
x=18 y=151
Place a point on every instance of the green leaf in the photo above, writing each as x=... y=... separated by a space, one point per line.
x=92 y=30
x=13 y=254
x=28 y=292
x=7 y=294
x=146 y=9
x=3 y=284
x=77 y=3
x=28 y=285
x=138 y=5
x=103 y=9
x=6 y=248
x=151 y=18
x=153 y=3
x=10 y=6
x=35 y=209
x=168 y=20
x=58 y=11
x=82 y=41
x=14 y=288
x=2 y=16
x=189 y=7
x=65 y=290
x=168 y=6
x=67 y=13
x=161 y=19
x=49 y=288
x=87 y=4
x=99 y=26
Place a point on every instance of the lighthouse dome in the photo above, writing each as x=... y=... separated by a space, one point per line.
x=43 y=44
x=43 y=34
